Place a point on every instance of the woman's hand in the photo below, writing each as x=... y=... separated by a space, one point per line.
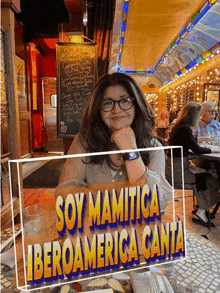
x=124 y=138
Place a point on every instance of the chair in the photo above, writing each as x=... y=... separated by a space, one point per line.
x=193 y=169
x=215 y=210
x=189 y=184
x=177 y=184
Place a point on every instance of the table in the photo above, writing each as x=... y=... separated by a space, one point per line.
x=212 y=156
x=200 y=270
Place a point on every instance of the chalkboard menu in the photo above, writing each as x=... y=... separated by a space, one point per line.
x=76 y=77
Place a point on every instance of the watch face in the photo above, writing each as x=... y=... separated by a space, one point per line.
x=131 y=156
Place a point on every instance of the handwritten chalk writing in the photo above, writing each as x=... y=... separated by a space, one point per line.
x=77 y=67
x=67 y=96
x=78 y=81
x=76 y=78
x=77 y=53
x=85 y=92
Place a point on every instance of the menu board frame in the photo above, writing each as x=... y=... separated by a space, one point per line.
x=74 y=62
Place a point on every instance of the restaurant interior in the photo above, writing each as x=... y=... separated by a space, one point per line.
x=171 y=49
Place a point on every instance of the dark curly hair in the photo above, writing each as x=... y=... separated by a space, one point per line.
x=94 y=134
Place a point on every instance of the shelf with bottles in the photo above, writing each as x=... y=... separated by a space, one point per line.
x=187 y=92
x=213 y=75
x=153 y=100
x=169 y=100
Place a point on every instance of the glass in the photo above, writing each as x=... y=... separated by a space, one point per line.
x=124 y=103
x=37 y=226
x=214 y=140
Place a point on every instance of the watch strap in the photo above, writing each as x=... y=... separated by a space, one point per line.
x=130 y=156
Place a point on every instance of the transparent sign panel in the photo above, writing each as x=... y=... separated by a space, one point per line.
x=97 y=218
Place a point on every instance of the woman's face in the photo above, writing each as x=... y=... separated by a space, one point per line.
x=117 y=118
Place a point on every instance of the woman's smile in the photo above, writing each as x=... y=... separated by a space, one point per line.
x=117 y=118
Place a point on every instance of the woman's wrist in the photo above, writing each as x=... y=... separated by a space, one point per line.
x=135 y=169
x=130 y=156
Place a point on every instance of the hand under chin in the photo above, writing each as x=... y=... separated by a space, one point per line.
x=124 y=138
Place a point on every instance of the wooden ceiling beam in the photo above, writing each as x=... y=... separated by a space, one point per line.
x=76 y=9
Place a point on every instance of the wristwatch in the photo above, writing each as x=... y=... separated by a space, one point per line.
x=131 y=156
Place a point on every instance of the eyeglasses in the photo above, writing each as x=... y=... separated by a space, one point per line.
x=125 y=103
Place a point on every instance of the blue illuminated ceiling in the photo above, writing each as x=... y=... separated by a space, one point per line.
x=193 y=44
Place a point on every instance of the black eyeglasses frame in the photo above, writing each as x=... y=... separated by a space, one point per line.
x=118 y=102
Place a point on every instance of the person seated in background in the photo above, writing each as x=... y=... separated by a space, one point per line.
x=182 y=135
x=177 y=116
x=208 y=127
x=162 y=121
x=172 y=124
x=117 y=117
x=172 y=116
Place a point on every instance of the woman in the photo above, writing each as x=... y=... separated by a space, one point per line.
x=172 y=116
x=163 y=119
x=182 y=132
x=182 y=135
x=162 y=122
x=116 y=117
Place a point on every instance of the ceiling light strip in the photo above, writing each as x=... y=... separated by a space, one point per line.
x=123 y=31
x=206 y=56
x=183 y=33
x=186 y=29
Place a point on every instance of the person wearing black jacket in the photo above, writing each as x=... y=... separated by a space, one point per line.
x=172 y=116
x=182 y=135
